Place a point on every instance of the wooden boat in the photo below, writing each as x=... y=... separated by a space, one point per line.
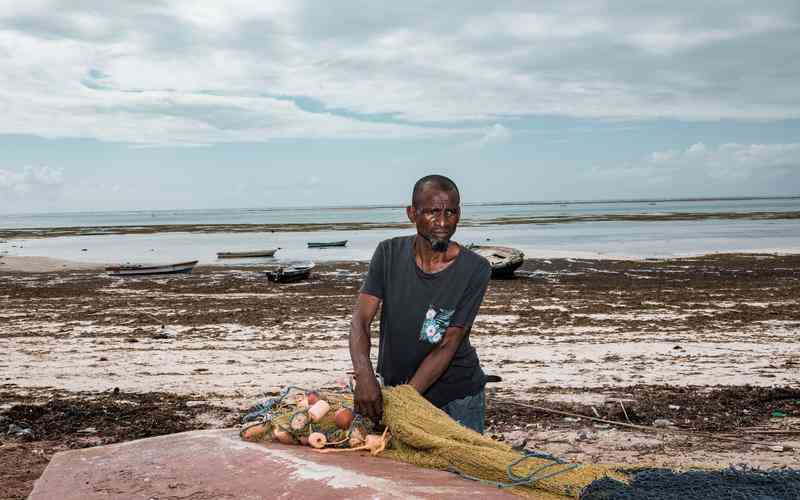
x=241 y=255
x=503 y=260
x=326 y=244
x=291 y=273
x=140 y=269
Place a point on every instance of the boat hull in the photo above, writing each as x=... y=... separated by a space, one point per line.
x=140 y=270
x=329 y=244
x=242 y=255
x=290 y=274
x=503 y=260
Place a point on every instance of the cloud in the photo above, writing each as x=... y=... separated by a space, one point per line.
x=31 y=179
x=497 y=134
x=732 y=161
x=201 y=72
x=710 y=169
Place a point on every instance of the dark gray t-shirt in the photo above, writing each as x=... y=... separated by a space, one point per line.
x=417 y=309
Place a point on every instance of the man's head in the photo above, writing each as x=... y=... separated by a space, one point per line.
x=435 y=210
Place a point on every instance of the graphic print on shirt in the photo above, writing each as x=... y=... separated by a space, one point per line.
x=435 y=324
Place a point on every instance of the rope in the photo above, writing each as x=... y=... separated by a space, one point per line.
x=516 y=480
x=261 y=411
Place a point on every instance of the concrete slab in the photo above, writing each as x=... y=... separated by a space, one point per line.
x=217 y=465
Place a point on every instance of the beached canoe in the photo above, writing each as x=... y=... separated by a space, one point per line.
x=140 y=269
x=326 y=244
x=503 y=260
x=241 y=255
x=291 y=273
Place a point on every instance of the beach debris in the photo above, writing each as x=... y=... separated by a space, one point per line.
x=165 y=333
x=584 y=435
x=778 y=414
x=87 y=430
x=20 y=432
x=674 y=407
x=517 y=439
x=661 y=422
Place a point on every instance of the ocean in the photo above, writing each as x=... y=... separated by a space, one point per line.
x=611 y=229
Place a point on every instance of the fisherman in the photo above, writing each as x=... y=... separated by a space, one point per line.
x=431 y=289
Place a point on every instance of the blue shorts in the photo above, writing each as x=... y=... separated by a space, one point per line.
x=469 y=411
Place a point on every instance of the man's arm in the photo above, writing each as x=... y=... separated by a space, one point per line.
x=437 y=361
x=367 y=397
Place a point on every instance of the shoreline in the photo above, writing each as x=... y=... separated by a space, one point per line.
x=41 y=264
x=52 y=232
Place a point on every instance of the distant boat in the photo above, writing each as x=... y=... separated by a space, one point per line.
x=140 y=269
x=503 y=260
x=240 y=255
x=326 y=244
x=291 y=273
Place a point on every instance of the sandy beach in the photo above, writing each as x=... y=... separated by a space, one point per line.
x=708 y=344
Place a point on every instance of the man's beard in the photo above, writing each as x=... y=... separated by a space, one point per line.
x=437 y=245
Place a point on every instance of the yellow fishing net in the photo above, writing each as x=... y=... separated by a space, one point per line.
x=424 y=435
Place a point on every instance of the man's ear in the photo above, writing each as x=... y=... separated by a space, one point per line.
x=411 y=213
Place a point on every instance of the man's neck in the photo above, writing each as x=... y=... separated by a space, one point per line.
x=430 y=260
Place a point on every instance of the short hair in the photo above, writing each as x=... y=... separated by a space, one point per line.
x=434 y=180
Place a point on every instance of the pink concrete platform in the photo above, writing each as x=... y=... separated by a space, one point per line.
x=216 y=464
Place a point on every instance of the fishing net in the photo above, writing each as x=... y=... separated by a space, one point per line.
x=425 y=436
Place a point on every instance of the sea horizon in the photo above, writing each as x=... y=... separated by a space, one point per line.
x=617 y=229
x=368 y=206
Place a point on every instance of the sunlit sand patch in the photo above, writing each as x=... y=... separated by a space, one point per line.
x=496 y=319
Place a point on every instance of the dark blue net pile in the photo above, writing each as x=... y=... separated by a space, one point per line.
x=727 y=484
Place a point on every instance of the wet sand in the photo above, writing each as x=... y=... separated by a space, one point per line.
x=685 y=340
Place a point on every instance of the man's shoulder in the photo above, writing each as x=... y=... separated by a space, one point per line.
x=396 y=243
x=475 y=261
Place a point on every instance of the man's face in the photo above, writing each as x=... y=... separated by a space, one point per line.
x=436 y=216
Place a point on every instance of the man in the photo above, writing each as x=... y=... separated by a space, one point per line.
x=431 y=289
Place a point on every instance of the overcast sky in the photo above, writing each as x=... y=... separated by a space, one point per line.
x=208 y=104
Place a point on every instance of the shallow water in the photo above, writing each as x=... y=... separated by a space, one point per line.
x=588 y=239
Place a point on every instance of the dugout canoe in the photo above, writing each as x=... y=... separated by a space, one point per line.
x=503 y=260
x=241 y=255
x=327 y=244
x=291 y=273
x=141 y=269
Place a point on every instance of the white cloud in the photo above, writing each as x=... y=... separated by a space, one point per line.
x=31 y=179
x=200 y=72
x=726 y=164
x=496 y=134
x=734 y=161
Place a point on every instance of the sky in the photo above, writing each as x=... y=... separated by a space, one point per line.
x=203 y=104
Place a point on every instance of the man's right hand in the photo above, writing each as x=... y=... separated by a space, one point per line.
x=368 y=398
